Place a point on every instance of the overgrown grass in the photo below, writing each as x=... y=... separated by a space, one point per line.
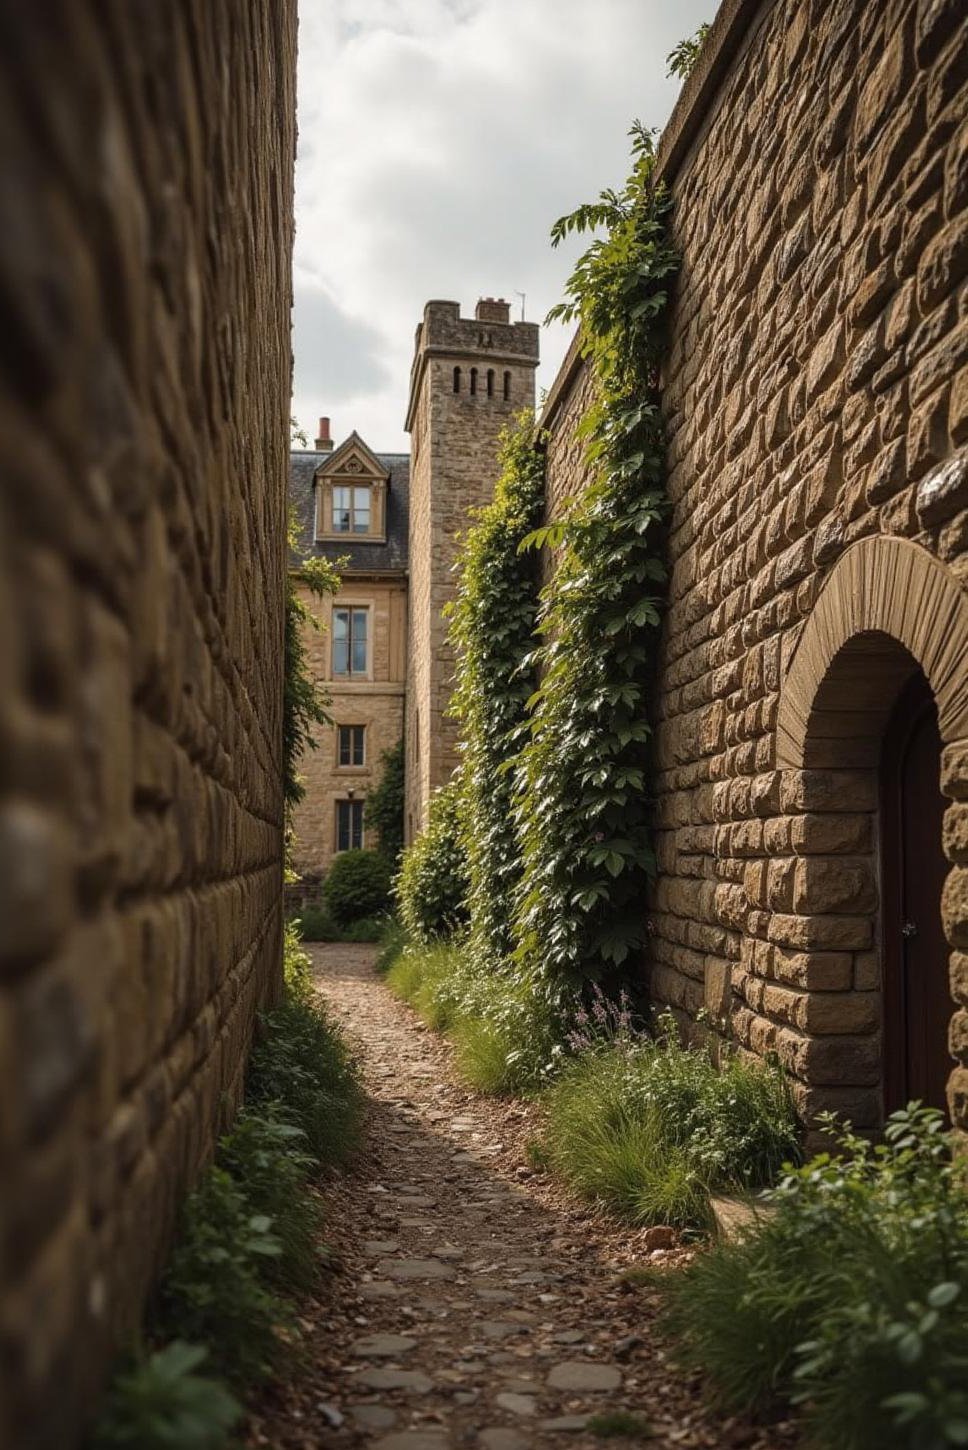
x=648 y=1127
x=849 y=1300
x=248 y=1236
x=503 y=1035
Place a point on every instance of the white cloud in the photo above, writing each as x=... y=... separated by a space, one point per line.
x=439 y=139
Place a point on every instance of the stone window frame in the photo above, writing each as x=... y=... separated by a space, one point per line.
x=326 y=530
x=349 y=766
x=356 y=805
x=887 y=609
x=351 y=676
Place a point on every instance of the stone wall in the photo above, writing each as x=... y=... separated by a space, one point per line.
x=817 y=403
x=144 y=296
x=454 y=465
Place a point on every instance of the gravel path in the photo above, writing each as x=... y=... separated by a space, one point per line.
x=472 y=1302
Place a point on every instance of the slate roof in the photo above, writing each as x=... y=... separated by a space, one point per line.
x=364 y=557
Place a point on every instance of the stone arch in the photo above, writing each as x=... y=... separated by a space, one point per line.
x=888 y=613
x=881 y=586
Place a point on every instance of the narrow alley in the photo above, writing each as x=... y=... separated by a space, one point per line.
x=473 y=1301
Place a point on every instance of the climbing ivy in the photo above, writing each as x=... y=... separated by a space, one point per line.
x=582 y=807
x=492 y=622
x=303 y=702
x=383 y=805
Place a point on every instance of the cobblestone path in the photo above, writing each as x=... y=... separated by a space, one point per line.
x=472 y=1303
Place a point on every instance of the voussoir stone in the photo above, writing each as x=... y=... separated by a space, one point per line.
x=380 y=1346
x=580 y=1375
x=396 y=1379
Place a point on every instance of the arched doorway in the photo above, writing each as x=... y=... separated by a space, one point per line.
x=876 y=691
x=916 y=999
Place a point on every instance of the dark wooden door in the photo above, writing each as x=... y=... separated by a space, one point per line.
x=917 y=999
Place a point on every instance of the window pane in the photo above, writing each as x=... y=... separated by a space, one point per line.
x=341 y=657
x=345 y=738
x=341 y=623
x=360 y=617
x=343 y=825
x=358 y=745
x=358 y=666
x=361 y=510
x=341 y=510
x=356 y=824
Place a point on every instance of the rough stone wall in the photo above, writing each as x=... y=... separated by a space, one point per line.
x=453 y=470
x=145 y=355
x=817 y=404
x=376 y=703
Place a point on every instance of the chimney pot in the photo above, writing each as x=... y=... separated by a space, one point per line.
x=492 y=309
x=324 y=444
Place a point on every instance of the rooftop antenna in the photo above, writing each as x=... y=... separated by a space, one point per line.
x=522 y=295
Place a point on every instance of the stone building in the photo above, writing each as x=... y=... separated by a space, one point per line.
x=812 y=705
x=382 y=652
x=351 y=505
x=145 y=360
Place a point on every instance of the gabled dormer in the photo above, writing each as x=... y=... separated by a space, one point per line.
x=351 y=494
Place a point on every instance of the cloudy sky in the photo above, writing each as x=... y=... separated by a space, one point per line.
x=438 y=141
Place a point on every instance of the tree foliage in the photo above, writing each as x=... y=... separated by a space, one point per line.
x=582 y=807
x=383 y=805
x=492 y=623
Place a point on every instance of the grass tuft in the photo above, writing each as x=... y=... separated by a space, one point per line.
x=619 y=1425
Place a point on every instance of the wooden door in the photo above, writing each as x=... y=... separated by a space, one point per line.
x=917 y=997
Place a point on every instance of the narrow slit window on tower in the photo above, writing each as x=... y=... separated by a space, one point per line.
x=507 y=386
x=456 y=380
x=473 y=382
x=490 y=382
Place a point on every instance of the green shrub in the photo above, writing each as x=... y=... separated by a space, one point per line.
x=317 y=923
x=367 y=929
x=383 y=805
x=266 y=1156
x=215 y=1287
x=648 y=1127
x=160 y=1403
x=850 y=1299
x=357 y=885
x=303 y=1063
x=431 y=887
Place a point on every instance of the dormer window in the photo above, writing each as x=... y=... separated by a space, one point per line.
x=351 y=509
x=351 y=495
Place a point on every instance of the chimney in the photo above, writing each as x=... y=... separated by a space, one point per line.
x=492 y=309
x=324 y=444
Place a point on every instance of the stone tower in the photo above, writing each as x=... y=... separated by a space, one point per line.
x=470 y=376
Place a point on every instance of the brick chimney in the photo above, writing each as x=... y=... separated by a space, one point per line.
x=324 y=444
x=492 y=309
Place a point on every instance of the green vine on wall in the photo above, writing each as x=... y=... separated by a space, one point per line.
x=582 y=808
x=492 y=623
x=304 y=702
